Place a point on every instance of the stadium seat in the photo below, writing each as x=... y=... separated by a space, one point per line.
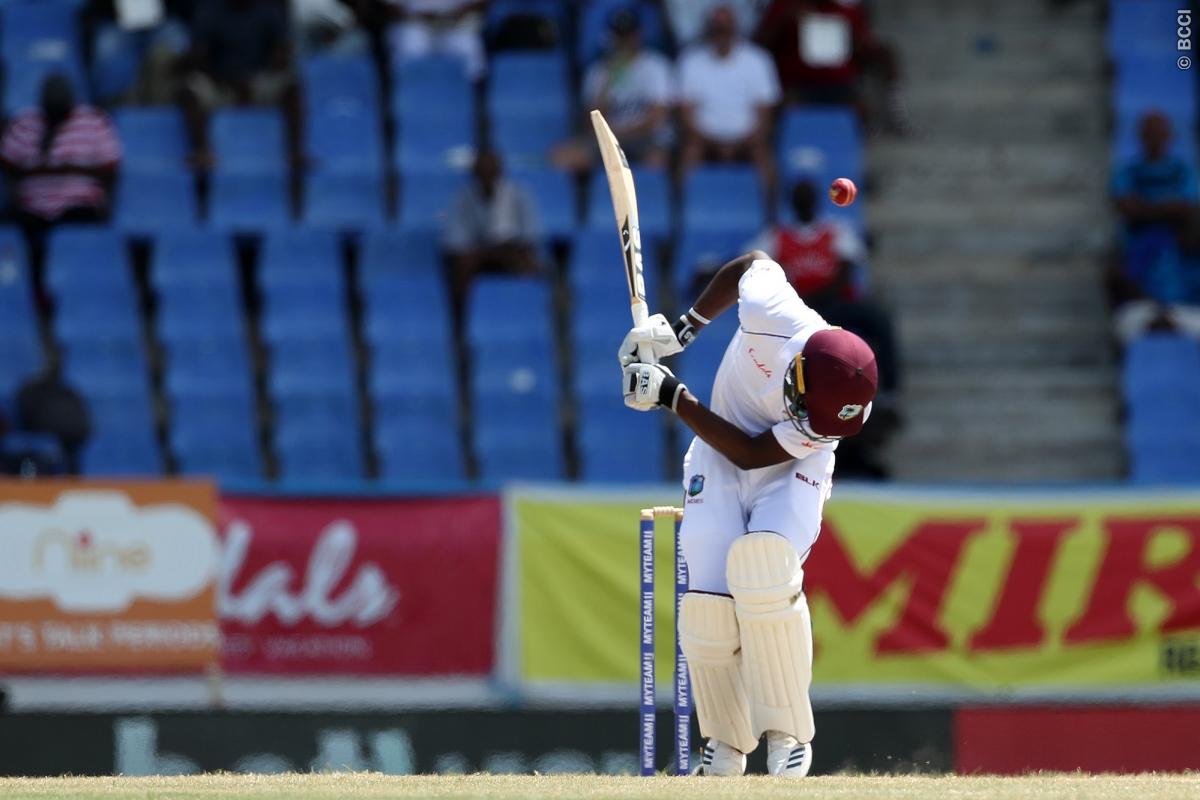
x=16 y=293
x=215 y=436
x=1159 y=364
x=130 y=451
x=723 y=199
x=653 y=199
x=701 y=252
x=23 y=79
x=414 y=450
x=431 y=142
x=426 y=199
x=406 y=307
x=320 y=453
x=413 y=378
x=697 y=366
x=87 y=260
x=198 y=259
x=594 y=32
x=400 y=253
x=249 y=140
x=44 y=449
x=305 y=250
x=524 y=140
x=611 y=459
x=1155 y=83
x=343 y=125
x=1139 y=27
x=504 y=310
x=116 y=58
x=33 y=30
x=22 y=348
x=514 y=452
x=430 y=85
x=344 y=202
x=525 y=84
x=597 y=264
x=553 y=11
x=821 y=141
x=147 y=204
x=248 y=202
x=554 y=195
x=154 y=139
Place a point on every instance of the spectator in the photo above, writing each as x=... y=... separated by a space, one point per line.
x=821 y=48
x=492 y=226
x=1157 y=199
x=632 y=88
x=453 y=27
x=687 y=17
x=330 y=26
x=46 y=404
x=156 y=32
x=62 y=159
x=241 y=55
x=728 y=93
x=819 y=256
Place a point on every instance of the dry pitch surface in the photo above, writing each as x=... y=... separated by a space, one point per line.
x=372 y=786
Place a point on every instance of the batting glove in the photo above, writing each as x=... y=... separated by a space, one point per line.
x=650 y=386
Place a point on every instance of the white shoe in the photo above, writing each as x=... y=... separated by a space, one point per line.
x=786 y=756
x=721 y=760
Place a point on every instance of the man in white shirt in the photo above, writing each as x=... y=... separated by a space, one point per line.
x=452 y=27
x=757 y=476
x=632 y=87
x=728 y=90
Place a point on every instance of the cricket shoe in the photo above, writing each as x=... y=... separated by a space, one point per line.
x=721 y=760
x=786 y=756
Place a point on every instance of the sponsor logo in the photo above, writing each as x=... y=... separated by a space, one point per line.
x=849 y=411
x=695 y=485
x=800 y=476
x=763 y=368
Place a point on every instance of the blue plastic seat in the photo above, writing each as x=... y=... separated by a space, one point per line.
x=392 y=252
x=441 y=141
x=16 y=292
x=216 y=436
x=555 y=11
x=344 y=202
x=723 y=199
x=431 y=86
x=532 y=451
x=23 y=357
x=426 y=199
x=194 y=259
x=653 y=199
x=23 y=79
x=525 y=84
x=597 y=264
x=147 y=204
x=821 y=141
x=249 y=140
x=343 y=126
x=697 y=366
x=129 y=451
x=248 y=202
x=636 y=456
x=1158 y=362
x=415 y=450
x=1154 y=82
x=38 y=29
x=525 y=140
x=409 y=379
x=324 y=453
x=504 y=310
x=87 y=260
x=303 y=250
x=554 y=195
x=406 y=307
x=1139 y=27
x=154 y=139
x=701 y=252
x=594 y=33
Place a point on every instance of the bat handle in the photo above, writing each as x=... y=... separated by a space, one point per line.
x=641 y=315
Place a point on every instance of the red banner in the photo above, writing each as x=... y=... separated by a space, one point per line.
x=359 y=586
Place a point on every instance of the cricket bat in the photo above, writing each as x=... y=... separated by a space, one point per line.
x=624 y=200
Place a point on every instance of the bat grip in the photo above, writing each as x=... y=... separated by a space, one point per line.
x=641 y=315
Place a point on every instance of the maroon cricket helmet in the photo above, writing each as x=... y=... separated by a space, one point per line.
x=831 y=382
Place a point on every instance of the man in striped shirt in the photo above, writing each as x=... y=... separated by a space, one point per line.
x=62 y=156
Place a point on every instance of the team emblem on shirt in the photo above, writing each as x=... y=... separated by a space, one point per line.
x=695 y=485
x=849 y=411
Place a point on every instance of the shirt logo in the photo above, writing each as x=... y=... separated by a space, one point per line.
x=763 y=368
x=695 y=485
x=800 y=476
x=849 y=411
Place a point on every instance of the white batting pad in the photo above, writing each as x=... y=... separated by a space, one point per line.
x=708 y=634
x=765 y=577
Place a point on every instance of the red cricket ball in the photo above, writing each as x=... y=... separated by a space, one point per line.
x=842 y=192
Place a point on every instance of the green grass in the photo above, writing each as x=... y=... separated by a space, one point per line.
x=369 y=785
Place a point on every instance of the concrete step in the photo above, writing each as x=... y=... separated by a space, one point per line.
x=903 y=239
x=1034 y=463
x=965 y=384
x=930 y=16
x=931 y=153
x=988 y=273
x=1042 y=212
x=945 y=349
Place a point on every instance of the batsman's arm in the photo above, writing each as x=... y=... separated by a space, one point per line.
x=743 y=450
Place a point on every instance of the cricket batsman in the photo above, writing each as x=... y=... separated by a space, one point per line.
x=757 y=475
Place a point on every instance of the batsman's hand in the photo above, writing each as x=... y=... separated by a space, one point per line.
x=659 y=335
x=650 y=386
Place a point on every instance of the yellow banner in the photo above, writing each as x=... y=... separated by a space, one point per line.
x=982 y=591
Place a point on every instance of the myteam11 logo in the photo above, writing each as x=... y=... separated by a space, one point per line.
x=695 y=485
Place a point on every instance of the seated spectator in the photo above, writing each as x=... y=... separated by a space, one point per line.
x=330 y=26
x=241 y=55
x=453 y=27
x=62 y=159
x=492 y=226
x=728 y=92
x=822 y=47
x=1157 y=198
x=819 y=256
x=632 y=88
x=155 y=31
x=46 y=404
x=687 y=17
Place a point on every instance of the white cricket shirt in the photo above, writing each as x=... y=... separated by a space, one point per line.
x=774 y=326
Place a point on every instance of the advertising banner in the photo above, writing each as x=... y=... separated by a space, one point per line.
x=987 y=592
x=362 y=586
x=107 y=577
